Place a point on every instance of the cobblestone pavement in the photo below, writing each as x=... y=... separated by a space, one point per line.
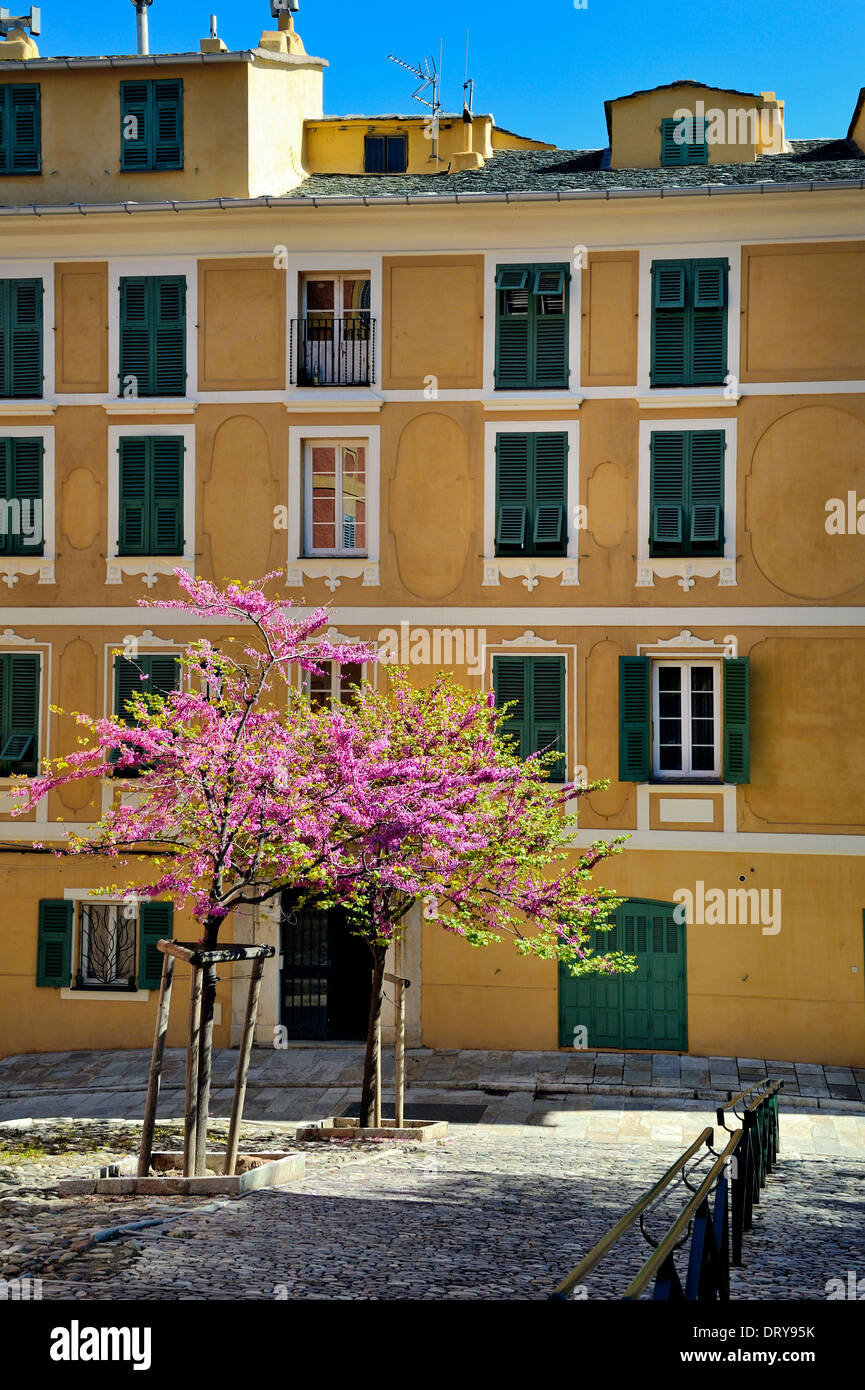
x=113 y=1083
x=501 y=1210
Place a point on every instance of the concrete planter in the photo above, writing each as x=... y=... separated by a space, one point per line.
x=341 y=1127
x=253 y=1171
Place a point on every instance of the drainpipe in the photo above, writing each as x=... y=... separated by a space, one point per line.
x=141 y=24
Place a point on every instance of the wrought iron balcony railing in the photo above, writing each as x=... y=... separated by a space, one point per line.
x=328 y=351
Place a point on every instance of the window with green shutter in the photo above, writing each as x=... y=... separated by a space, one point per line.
x=20 y=339
x=20 y=133
x=531 y=494
x=151 y=125
x=155 y=923
x=156 y=674
x=54 y=944
x=19 y=714
x=21 y=500
x=684 y=720
x=152 y=335
x=532 y=327
x=535 y=688
x=683 y=141
x=689 y=323
x=151 y=495
x=686 y=492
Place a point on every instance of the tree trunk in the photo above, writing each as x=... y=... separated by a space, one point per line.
x=205 y=1046
x=373 y=1035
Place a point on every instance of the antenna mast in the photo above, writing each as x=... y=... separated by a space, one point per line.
x=430 y=80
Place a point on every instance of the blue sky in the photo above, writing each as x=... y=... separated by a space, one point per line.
x=542 y=70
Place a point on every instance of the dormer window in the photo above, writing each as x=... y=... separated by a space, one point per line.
x=683 y=141
x=385 y=154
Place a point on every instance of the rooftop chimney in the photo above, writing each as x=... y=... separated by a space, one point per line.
x=141 y=24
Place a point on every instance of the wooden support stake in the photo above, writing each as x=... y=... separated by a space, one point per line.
x=376 y=1104
x=399 y=1061
x=205 y=1063
x=190 y=1125
x=246 y=1042
x=162 y=1011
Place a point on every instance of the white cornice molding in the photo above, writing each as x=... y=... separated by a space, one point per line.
x=531 y=571
x=332 y=571
x=149 y=569
x=11 y=637
x=15 y=566
x=686 y=571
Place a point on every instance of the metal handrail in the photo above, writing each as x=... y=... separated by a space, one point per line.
x=604 y=1245
x=666 y=1247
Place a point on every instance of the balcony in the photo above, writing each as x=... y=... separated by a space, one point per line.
x=331 y=351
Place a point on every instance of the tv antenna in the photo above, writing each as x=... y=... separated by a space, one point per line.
x=429 y=77
x=31 y=21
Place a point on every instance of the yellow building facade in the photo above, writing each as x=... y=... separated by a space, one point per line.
x=585 y=426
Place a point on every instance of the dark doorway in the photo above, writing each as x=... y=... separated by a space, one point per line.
x=326 y=977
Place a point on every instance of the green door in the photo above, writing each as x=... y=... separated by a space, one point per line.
x=645 y=1011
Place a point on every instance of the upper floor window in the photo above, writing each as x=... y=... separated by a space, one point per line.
x=683 y=720
x=335 y=481
x=21 y=503
x=151 y=125
x=20 y=338
x=156 y=674
x=531 y=494
x=534 y=687
x=335 y=338
x=531 y=327
x=153 y=335
x=689 y=323
x=687 y=492
x=19 y=714
x=20 y=135
x=683 y=141
x=385 y=154
x=151 y=495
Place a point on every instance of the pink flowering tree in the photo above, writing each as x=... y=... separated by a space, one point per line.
x=453 y=818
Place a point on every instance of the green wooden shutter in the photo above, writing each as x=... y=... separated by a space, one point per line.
x=163 y=672
x=709 y=322
x=24 y=339
x=19 y=715
x=737 y=719
x=548 y=711
x=168 y=327
x=549 y=312
x=168 y=124
x=691 y=148
x=54 y=943
x=550 y=499
x=706 y=525
x=634 y=719
x=128 y=682
x=21 y=140
x=166 y=530
x=134 y=519
x=513 y=494
x=513 y=328
x=510 y=681
x=136 y=126
x=155 y=923
x=135 y=370
x=669 y=351
x=26 y=485
x=668 y=492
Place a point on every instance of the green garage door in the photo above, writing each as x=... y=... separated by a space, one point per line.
x=647 y=1010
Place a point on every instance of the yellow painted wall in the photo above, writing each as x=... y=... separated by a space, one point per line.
x=790 y=996
x=803 y=309
x=81 y=314
x=636 y=125
x=242 y=341
x=280 y=100
x=337 y=147
x=433 y=315
x=609 y=310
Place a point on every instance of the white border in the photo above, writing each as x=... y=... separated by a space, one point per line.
x=35 y=270
x=148 y=566
x=687 y=567
x=533 y=567
x=687 y=396
x=163 y=265
x=529 y=644
x=332 y=568
x=11 y=566
x=531 y=399
x=11 y=643
x=310 y=263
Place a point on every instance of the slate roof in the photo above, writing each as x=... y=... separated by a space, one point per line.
x=531 y=171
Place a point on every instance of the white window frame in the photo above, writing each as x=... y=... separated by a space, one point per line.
x=13 y=566
x=506 y=397
x=297 y=268
x=530 y=644
x=660 y=397
x=686 y=773
x=686 y=568
x=332 y=568
x=44 y=404
x=149 y=567
x=87 y=982
x=340 y=552
x=532 y=568
x=118 y=270
x=12 y=644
